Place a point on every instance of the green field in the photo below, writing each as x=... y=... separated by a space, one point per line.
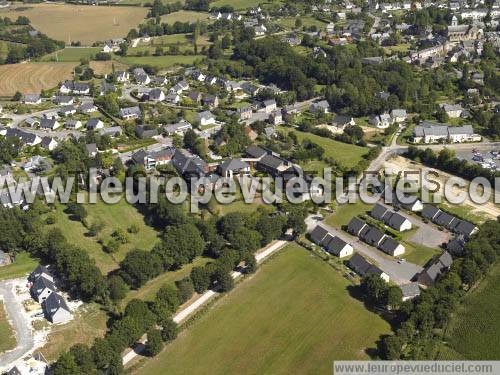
x=70 y=54
x=237 y=4
x=289 y=22
x=346 y=154
x=184 y=16
x=8 y=340
x=159 y=61
x=294 y=316
x=344 y=213
x=474 y=330
x=112 y=216
x=22 y=265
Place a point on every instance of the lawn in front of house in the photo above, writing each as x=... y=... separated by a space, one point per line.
x=294 y=316
x=21 y=266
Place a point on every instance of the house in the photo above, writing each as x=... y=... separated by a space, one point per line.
x=356 y=226
x=399 y=115
x=275 y=118
x=141 y=77
x=42 y=288
x=195 y=96
x=269 y=106
x=49 y=123
x=88 y=107
x=180 y=128
x=435 y=268
x=106 y=88
x=245 y=112
x=156 y=95
x=429 y=132
x=318 y=234
x=31 y=122
x=206 y=118
x=378 y=212
x=63 y=100
x=159 y=80
x=8 y=201
x=231 y=167
x=73 y=124
x=130 y=113
x=320 y=107
x=382 y=121
x=338 y=247
x=173 y=98
x=179 y=87
x=255 y=152
x=67 y=110
x=398 y=222
x=35 y=163
x=363 y=268
x=27 y=139
x=391 y=247
x=40 y=271
x=260 y=30
x=68 y=87
x=55 y=308
x=452 y=110
x=151 y=160
x=48 y=143
x=446 y=220
x=145 y=131
x=250 y=88
x=430 y=212
x=91 y=149
x=409 y=291
x=211 y=101
x=341 y=121
x=113 y=131
x=465 y=228
x=189 y=166
x=32 y=99
x=94 y=124
x=373 y=236
x=122 y=76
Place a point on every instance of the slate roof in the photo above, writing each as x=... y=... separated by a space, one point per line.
x=464 y=227
x=388 y=245
x=362 y=267
x=356 y=225
x=445 y=220
x=335 y=245
x=430 y=211
x=395 y=220
x=378 y=211
x=53 y=303
x=318 y=234
x=233 y=165
x=255 y=152
x=189 y=164
x=410 y=290
x=373 y=236
x=40 y=284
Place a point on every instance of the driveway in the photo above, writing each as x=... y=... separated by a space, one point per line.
x=20 y=324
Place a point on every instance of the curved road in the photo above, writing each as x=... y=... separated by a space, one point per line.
x=21 y=325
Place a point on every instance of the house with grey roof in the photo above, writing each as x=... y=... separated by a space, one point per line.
x=356 y=226
x=320 y=107
x=189 y=166
x=341 y=121
x=373 y=237
x=435 y=268
x=318 y=234
x=88 y=107
x=73 y=124
x=49 y=143
x=446 y=220
x=338 y=247
x=49 y=123
x=42 y=288
x=32 y=99
x=94 y=124
x=180 y=128
x=67 y=110
x=409 y=291
x=465 y=228
x=130 y=113
x=56 y=309
x=40 y=271
x=399 y=115
x=206 y=118
x=233 y=167
x=112 y=131
x=145 y=131
x=430 y=212
x=63 y=100
x=245 y=112
x=391 y=247
x=429 y=132
x=364 y=268
x=255 y=152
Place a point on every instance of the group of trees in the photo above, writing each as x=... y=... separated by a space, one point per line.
x=155 y=28
x=159 y=8
x=416 y=338
x=447 y=161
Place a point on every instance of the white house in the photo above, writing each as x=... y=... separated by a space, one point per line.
x=399 y=115
x=32 y=99
x=56 y=310
x=42 y=288
x=206 y=118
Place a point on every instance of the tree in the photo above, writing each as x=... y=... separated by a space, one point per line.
x=223 y=280
x=394 y=297
x=102 y=352
x=83 y=358
x=123 y=49
x=374 y=288
x=200 y=277
x=66 y=365
x=139 y=266
x=226 y=41
x=169 y=296
x=185 y=289
x=250 y=263
x=154 y=345
x=169 y=330
x=390 y=347
x=298 y=23
x=190 y=138
x=77 y=211
x=117 y=288
x=112 y=246
x=17 y=96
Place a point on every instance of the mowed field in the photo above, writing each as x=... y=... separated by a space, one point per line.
x=184 y=16
x=294 y=316
x=475 y=329
x=86 y=24
x=33 y=77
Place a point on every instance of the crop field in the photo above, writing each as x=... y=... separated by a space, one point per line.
x=160 y=62
x=473 y=331
x=32 y=77
x=107 y=215
x=345 y=154
x=184 y=16
x=294 y=316
x=8 y=340
x=70 y=54
x=106 y=67
x=87 y=24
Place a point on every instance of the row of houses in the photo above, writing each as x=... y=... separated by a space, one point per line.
x=390 y=218
x=448 y=221
x=429 y=132
x=331 y=243
x=374 y=237
x=435 y=268
x=44 y=291
x=385 y=120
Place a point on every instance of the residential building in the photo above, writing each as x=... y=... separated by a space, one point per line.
x=94 y=124
x=435 y=268
x=269 y=105
x=320 y=107
x=206 y=118
x=55 y=308
x=49 y=143
x=32 y=99
x=49 y=124
x=364 y=268
x=232 y=167
x=42 y=288
x=399 y=115
x=429 y=132
x=409 y=291
x=73 y=124
x=130 y=113
x=180 y=128
x=341 y=121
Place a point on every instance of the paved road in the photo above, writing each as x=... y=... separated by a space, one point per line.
x=19 y=322
x=203 y=299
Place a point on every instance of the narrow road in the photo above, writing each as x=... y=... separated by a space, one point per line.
x=21 y=326
x=260 y=256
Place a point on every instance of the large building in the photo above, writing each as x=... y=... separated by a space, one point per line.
x=461 y=33
x=429 y=132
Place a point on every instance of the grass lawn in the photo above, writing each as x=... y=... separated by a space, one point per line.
x=236 y=4
x=418 y=254
x=8 y=340
x=294 y=316
x=88 y=323
x=86 y=24
x=345 y=154
x=344 y=213
x=148 y=291
x=159 y=61
x=289 y=22
x=474 y=330
x=72 y=54
x=184 y=16
x=464 y=212
x=113 y=216
x=22 y=265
